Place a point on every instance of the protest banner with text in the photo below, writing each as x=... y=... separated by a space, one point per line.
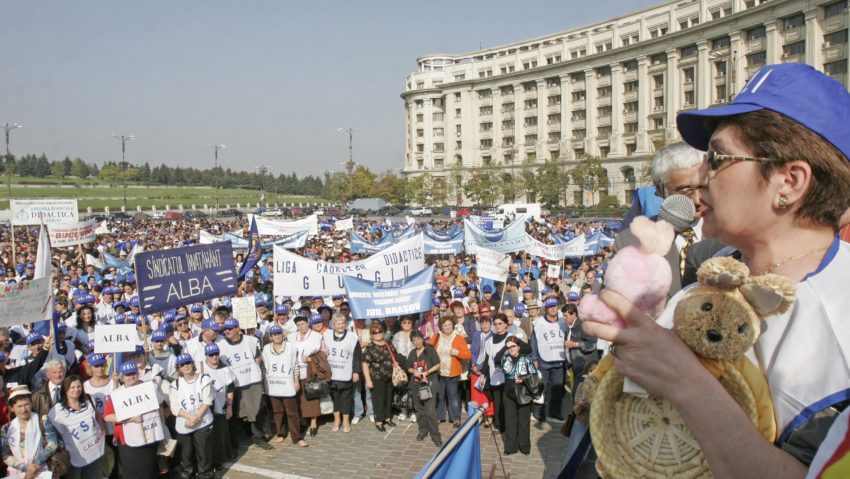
x=371 y=299
x=24 y=303
x=48 y=211
x=134 y=401
x=72 y=234
x=115 y=338
x=174 y=277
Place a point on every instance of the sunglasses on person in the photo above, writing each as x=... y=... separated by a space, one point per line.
x=715 y=159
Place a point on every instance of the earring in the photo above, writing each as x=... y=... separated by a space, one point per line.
x=783 y=202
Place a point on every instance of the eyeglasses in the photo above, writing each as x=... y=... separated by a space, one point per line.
x=715 y=159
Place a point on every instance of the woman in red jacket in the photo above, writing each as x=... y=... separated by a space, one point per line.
x=452 y=348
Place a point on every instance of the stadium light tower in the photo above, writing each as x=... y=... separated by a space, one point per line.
x=7 y=127
x=215 y=149
x=124 y=139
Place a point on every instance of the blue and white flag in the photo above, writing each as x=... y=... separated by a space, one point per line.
x=486 y=222
x=173 y=277
x=293 y=241
x=464 y=460
x=370 y=299
x=254 y=250
x=359 y=244
x=112 y=261
x=597 y=241
x=444 y=244
x=409 y=231
x=511 y=238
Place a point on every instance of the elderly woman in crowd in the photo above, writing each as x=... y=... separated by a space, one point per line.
x=344 y=357
x=378 y=359
x=191 y=396
x=781 y=149
x=403 y=345
x=27 y=442
x=452 y=348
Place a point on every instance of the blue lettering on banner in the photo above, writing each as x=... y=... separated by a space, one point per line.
x=374 y=299
x=173 y=277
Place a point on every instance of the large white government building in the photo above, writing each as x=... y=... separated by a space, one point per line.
x=611 y=89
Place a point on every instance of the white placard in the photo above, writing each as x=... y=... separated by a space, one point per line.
x=134 y=401
x=344 y=225
x=553 y=270
x=72 y=234
x=47 y=211
x=115 y=338
x=298 y=276
x=285 y=228
x=24 y=303
x=245 y=311
x=102 y=228
x=557 y=252
x=492 y=265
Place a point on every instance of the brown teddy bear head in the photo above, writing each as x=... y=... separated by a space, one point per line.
x=721 y=317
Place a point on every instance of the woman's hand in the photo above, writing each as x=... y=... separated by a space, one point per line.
x=135 y=419
x=369 y=383
x=454 y=352
x=518 y=380
x=646 y=353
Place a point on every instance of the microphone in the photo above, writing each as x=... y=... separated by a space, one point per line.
x=679 y=211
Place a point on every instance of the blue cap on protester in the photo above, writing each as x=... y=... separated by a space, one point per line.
x=550 y=302
x=182 y=359
x=572 y=296
x=519 y=309
x=487 y=289
x=61 y=327
x=457 y=294
x=259 y=302
x=96 y=359
x=90 y=346
x=436 y=302
x=210 y=324
x=139 y=350
x=159 y=335
x=275 y=329
x=527 y=289
x=134 y=302
x=196 y=308
x=281 y=309
x=795 y=90
x=315 y=318
x=120 y=318
x=128 y=368
x=230 y=323
x=211 y=349
x=337 y=296
x=169 y=316
x=121 y=304
x=473 y=287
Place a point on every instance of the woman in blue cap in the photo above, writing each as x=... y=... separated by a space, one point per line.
x=308 y=344
x=280 y=358
x=773 y=185
x=223 y=391
x=191 y=398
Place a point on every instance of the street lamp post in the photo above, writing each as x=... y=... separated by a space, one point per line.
x=349 y=166
x=262 y=170
x=124 y=139
x=7 y=127
x=215 y=171
x=732 y=59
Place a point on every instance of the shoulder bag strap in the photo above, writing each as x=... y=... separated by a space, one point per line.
x=392 y=356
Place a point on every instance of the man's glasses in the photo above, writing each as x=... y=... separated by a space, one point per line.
x=715 y=159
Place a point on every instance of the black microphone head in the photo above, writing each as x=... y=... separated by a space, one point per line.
x=679 y=211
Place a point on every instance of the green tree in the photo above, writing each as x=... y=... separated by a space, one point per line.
x=480 y=188
x=110 y=173
x=552 y=182
x=590 y=175
x=528 y=178
x=79 y=168
x=362 y=182
x=57 y=170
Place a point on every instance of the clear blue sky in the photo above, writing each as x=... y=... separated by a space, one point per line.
x=272 y=80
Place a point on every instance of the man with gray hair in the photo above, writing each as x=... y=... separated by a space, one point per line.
x=675 y=171
x=48 y=395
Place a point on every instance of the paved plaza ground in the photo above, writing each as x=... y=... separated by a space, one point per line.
x=367 y=453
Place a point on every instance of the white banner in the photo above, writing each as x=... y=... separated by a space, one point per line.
x=25 y=303
x=98 y=263
x=245 y=311
x=47 y=211
x=557 y=252
x=102 y=228
x=492 y=265
x=298 y=276
x=72 y=234
x=205 y=237
x=134 y=401
x=285 y=228
x=115 y=338
x=344 y=225
x=553 y=270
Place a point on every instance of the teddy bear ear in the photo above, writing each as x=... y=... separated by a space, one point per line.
x=769 y=294
x=723 y=272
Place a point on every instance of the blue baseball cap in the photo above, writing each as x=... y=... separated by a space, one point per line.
x=61 y=327
x=210 y=324
x=550 y=302
x=487 y=289
x=139 y=350
x=281 y=309
x=120 y=318
x=159 y=335
x=436 y=302
x=34 y=338
x=128 y=368
x=315 y=318
x=211 y=349
x=169 y=316
x=196 y=308
x=301 y=318
x=337 y=296
x=275 y=329
x=134 y=301
x=473 y=287
x=3 y=357
x=519 y=309
x=795 y=90
x=259 y=302
x=457 y=294
x=96 y=359
x=182 y=359
x=90 y=346
x=230 y=323
x=121 y=304
x=572 y=297
x=527 y=289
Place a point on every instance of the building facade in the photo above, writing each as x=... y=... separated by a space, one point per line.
x=611 y=89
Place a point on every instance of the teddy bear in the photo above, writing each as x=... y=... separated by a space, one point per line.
x=639 y=273
x=719 y=320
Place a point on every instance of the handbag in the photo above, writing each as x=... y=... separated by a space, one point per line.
x=523 y=397
x=316 y=388
x=534 y=383
x=402 y=399
x=482 y=383
x=424 y=391
x=567 y=428
x=60 y=462
x=326 y=405
x=399 y=376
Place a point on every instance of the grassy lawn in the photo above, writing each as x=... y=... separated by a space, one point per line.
x=97 y=195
